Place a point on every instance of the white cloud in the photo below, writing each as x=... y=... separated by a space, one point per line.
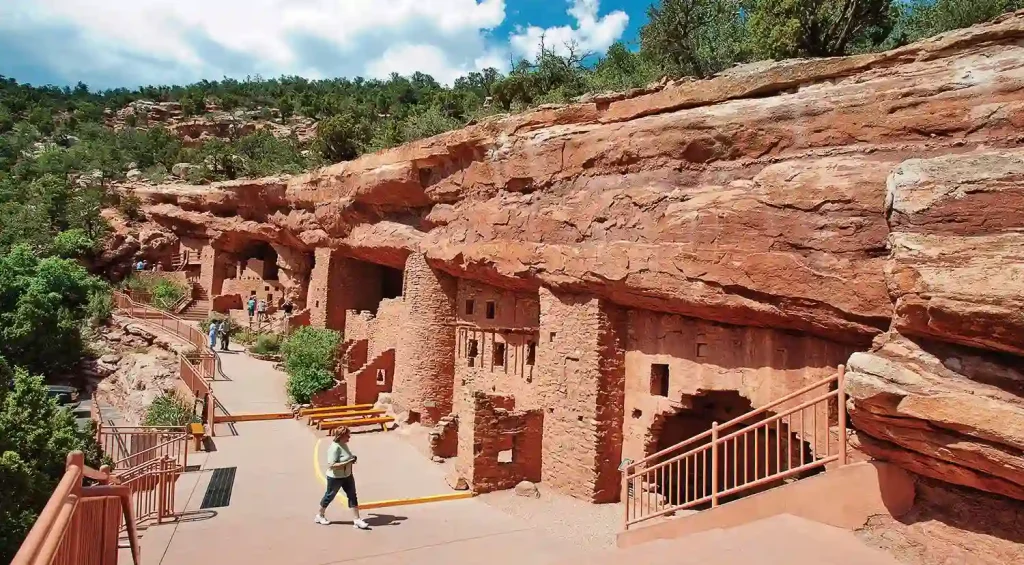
x=210 y=38
x=591 y=33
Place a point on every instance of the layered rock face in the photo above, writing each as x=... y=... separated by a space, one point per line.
x=875 y=197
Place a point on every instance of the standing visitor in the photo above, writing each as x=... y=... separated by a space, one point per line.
x=251 y=306
x=225 y=336
x=213 y=334
x=287 y=307
x=339 y=477
x=263 y=310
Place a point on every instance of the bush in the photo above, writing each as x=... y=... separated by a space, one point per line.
x=267 y=344
x=307 y=382
x=309 y=358
x=166 y=293
x=170 y=410
x=100 y=307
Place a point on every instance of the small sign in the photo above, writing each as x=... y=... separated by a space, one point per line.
x=429 y=404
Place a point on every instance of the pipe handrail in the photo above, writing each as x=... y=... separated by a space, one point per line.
x=670 y=476
x=46 y=538
x=737 y=420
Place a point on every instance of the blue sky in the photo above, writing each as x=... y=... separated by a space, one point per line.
x=112 y=43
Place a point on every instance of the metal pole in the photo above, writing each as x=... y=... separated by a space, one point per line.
x=714 y=464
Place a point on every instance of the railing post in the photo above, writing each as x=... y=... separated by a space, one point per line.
x=161 y=490
x=714 y=464
x=841 y=408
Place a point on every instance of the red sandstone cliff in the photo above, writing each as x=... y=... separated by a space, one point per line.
x=869 y=197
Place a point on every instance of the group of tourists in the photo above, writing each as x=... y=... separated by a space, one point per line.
x=219 y=328
x=258 y=308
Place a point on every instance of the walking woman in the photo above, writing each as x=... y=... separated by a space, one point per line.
x=339 y=477
x=213 y=334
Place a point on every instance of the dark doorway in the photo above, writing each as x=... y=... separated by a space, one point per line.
x=390 y=282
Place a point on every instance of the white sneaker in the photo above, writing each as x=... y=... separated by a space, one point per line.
x=321 y=520
x=360 y=525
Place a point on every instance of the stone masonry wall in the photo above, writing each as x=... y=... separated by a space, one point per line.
x=760 y=364
x=424 y=375
x=505 y=445
x=580 y=379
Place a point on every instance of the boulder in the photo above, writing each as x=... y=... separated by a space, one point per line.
x=181 y=170
x=944 y=411
x=527 y=489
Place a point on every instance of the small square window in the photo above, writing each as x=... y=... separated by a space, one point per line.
x=702 y=350
x=551 y=337
x=499 y=355
x=659 y=379
x=490 y=310
x=505 y=456
x=531 y=353
x=469 y=307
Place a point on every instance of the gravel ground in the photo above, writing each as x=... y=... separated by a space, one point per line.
x=589 y=525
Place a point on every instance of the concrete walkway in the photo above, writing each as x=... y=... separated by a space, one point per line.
x=278 y=484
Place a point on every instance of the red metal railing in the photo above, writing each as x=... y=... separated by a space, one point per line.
x=80 y=525
x=161 y=318
x=197 y=377
x=152 y=489
x=740 y=455
x=131 y=446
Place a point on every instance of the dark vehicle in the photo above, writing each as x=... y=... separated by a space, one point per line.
x=66 y=396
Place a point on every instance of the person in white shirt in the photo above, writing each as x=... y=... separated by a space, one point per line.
x=339 y=478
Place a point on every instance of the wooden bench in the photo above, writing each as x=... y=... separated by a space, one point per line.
x=349 y=416
x=352 y=422
x=322 y=409
x=198 y=432
x=317 y=418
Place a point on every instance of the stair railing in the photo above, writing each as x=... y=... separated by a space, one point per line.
x=80 y=524
x=739 y=455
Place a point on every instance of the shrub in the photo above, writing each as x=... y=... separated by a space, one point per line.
x=100 y=307
x=307 y=382
x=309 y=358
x=170 y=410
x=166 y=293
x=267 y=344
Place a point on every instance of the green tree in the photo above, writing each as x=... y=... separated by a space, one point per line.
x=309 y=358
x=342 y=137
x=43 y=303
x=695 y=37
x=924 y=18
x=35 y=438
x=780 y=29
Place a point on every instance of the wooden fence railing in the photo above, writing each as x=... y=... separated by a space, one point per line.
x=758 y=450
x=80 y=525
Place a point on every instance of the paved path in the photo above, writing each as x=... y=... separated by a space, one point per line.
x=278 y=484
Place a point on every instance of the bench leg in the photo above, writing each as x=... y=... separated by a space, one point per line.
x=198 y=439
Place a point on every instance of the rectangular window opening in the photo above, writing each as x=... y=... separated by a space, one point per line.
x=469 y=307
x=505 y=456
x=531 y=353
x=473 y=348
x=551 y=337
x=490 y=310
x=659 y=379
x=702 y=350
x=499 y=354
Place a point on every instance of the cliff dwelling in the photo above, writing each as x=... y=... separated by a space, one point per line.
x=555 y=294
